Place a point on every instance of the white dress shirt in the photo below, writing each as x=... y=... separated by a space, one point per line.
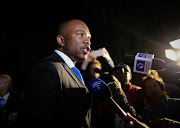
x=68 y=61
x=5 y=97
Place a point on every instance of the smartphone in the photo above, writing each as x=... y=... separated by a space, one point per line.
x=97 y=53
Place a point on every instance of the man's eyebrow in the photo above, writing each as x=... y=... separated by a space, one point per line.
x=89 y=36
x=81 y=31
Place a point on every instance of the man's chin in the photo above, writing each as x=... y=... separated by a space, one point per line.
x=85 y=56
x=81 y=59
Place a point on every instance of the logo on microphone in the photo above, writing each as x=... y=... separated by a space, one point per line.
x=140 y=65
x=142 y=55
x=143 y=62
x=96 y=84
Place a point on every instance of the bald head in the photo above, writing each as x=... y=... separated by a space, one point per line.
x=5 y=78
x=66 y=26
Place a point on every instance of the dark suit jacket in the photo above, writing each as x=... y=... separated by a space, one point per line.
x=56 y=96
x=9 y=115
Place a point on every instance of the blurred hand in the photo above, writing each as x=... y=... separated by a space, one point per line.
x=12 y=118
x=136 y=122
x=107 y=57
x=89 y=57
x=167 y=123
x=87 y=61
x=106 y=54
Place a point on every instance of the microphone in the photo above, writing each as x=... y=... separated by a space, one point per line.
x=101 y=89
x=157 y=64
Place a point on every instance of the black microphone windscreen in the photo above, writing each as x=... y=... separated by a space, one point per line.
x=158 y=64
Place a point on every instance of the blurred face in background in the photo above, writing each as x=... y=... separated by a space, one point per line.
x=152 y=89
x=123 y=76
x=3 y=87
x=92 y=72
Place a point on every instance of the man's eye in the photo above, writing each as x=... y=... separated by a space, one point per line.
x=80 y=34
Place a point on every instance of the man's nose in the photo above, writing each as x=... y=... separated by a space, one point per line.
x=87 y=41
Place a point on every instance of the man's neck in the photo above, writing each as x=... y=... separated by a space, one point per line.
x=61 y=50
x=66 y=58
x=3 y=94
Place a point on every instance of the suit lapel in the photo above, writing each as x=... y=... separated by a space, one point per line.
x=73 y=74
x=58 y=59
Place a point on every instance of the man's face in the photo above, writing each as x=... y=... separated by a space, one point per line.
x=3 y=86
x=77 y=41
x=123 y=76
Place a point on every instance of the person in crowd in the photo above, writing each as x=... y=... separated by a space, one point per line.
x=10 y=103
x=90 y=73
x=103 y=113
x=92 y=67
x=172 y=90
x=161 y=110
x=57 y=95
x=134 y=93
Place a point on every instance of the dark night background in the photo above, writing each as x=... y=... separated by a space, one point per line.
x=124 y=27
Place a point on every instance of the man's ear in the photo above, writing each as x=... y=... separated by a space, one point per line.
x=60 y=40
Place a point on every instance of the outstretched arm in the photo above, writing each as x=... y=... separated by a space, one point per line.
x=136 y=122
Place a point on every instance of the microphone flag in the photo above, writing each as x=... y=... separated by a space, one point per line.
x=143 y=63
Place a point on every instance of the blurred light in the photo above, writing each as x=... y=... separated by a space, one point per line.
x=171 y=54
x=175 y=44
x=178 y=55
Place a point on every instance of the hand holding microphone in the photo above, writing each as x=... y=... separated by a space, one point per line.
x=100 y=88
x=136 y=122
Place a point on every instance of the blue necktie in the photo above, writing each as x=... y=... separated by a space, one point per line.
x=77 y=73
x=1 y=103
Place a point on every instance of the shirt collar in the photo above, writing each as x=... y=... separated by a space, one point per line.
x=5 y=97
x=68 y=61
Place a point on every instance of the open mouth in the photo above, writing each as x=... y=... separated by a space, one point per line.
x=86 y=50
